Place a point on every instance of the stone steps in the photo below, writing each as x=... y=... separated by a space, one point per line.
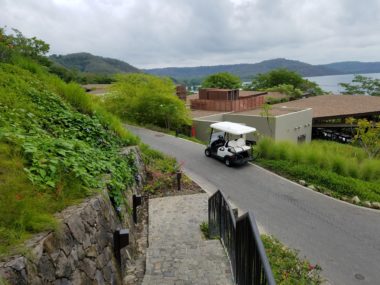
x=177 y=253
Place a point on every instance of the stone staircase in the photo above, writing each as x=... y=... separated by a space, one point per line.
x=177 y=253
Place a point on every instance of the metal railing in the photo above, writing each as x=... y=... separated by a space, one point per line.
x=242 y=241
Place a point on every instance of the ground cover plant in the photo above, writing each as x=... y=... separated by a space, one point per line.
x=57 y=146
x=341 y=170
x=287 y=267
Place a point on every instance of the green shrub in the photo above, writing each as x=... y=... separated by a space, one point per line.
x=287 y=267
x=338 y=165
x=370 y=170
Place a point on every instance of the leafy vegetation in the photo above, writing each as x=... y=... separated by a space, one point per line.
x=57 y=145
x=204 y=229
x=367 y=135
x=285 y=81
x=362 y=85
x=161 y=169
x=14 y=45
x=287 y=267
x=147 y=99
x=222 y=80
x=340 y=170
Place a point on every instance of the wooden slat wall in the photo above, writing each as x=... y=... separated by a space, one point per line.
x=242 y=104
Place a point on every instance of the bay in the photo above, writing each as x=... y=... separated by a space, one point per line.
x=330 y=83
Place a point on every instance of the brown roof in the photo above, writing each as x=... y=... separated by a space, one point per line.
x=332 y=106
x=244 y=93
x=203 y=113
x=191 y=97
x=272 y=112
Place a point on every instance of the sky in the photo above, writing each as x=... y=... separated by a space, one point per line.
x=163 y=33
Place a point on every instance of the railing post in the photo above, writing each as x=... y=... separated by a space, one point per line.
x=241 y=239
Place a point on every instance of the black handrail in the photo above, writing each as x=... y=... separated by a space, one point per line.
x=242 y=241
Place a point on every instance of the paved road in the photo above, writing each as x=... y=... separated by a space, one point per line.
x=342 y=238
x=177 y=253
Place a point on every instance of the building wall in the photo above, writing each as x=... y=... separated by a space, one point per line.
x=242 y=104
x=181 y=92
x=263 y=126
x=202 y=126
x=292 y=126
x=218 y=94
x=284 y=127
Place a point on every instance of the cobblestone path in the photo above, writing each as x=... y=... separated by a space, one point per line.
x=177 y=253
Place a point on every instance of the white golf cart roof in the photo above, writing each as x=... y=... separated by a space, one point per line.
x=232 y=128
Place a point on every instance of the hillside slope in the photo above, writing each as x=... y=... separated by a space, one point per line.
x=50 y=133
x=86 y=62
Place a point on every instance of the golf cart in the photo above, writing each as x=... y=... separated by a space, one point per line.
x=228 y=144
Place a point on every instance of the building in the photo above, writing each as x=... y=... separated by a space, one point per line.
x=226 y=100
x=181 y=92
x=300 y=120
x=331 y=111
x=280 y=123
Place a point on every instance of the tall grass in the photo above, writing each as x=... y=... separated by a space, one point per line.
x=25 y=209
x=345 y=160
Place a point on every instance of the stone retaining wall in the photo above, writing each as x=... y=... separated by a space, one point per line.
x=81 y=251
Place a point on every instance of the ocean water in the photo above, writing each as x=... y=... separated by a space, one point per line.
x=330 y=83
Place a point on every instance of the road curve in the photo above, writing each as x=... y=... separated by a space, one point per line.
x=342 y=238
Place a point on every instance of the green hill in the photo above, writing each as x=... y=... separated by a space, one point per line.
x=86 y=62
x=246 y=70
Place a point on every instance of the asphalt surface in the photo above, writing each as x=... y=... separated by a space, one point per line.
x=342 y=238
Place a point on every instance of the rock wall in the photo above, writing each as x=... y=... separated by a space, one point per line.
x=81 y=251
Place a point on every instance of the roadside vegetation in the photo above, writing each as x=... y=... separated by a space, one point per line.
x=57 y=145
x=342 y=171
x=147 y=99
x=287 y=267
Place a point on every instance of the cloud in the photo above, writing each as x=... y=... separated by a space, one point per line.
x=157 y=33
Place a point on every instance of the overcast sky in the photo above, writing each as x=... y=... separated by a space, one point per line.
x=161 y=33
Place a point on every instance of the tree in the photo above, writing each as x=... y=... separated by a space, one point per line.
x=222 y=80
x=287 y=89
x=362 y=85
x=367 y=135
x=17 y=44
x=284 y=77
x=147 y=99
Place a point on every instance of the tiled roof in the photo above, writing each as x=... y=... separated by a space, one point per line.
x=330 y=106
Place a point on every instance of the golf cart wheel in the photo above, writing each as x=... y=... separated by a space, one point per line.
x=207 y=152
x=227 y=162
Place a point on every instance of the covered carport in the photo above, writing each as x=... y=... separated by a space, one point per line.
x=331 y=111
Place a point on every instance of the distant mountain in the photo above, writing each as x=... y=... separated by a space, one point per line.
x=353 y=67
x=247 y=71
x=86 y=62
